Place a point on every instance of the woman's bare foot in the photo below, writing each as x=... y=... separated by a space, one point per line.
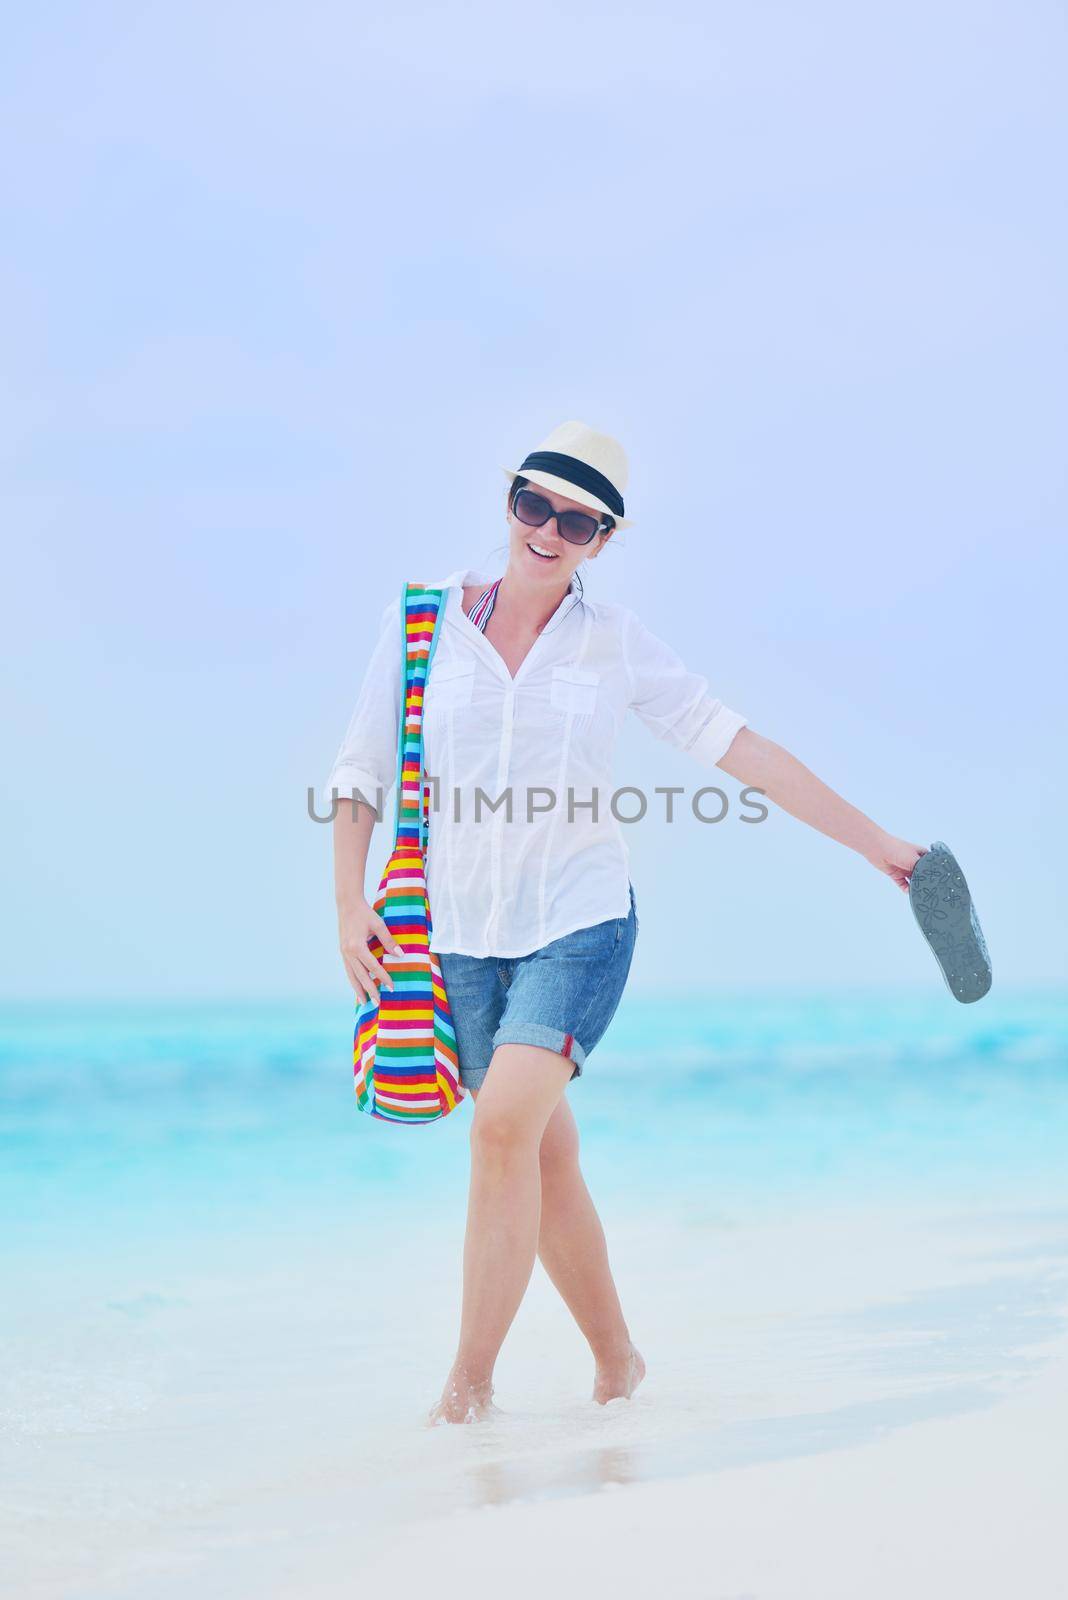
x=618 y=1376
x=463 y=1401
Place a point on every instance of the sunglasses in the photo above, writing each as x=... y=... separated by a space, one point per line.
x=574 y=526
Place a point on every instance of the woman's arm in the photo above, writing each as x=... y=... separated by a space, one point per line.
x=767 y=766
x=356 y=919
x=365 y=765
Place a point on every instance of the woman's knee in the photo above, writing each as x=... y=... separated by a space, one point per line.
x=498 y=1135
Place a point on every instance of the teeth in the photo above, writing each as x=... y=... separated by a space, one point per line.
x=538 y=549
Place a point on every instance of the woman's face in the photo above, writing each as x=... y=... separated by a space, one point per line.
x=565 y=556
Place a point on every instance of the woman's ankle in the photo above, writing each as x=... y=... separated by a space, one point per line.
x=613 y=1349
x=473 y=1377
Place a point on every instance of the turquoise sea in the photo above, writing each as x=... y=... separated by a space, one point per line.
x=230 y=1292
x=182 y=1119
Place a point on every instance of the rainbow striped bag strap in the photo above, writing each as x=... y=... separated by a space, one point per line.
x=404 y=1048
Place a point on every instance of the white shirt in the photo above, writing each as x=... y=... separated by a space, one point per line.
x=506 y=886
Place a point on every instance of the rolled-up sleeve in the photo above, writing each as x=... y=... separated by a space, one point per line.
x=367 y=755
x=675 y=704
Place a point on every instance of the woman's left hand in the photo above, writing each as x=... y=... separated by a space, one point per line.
x=895 y=857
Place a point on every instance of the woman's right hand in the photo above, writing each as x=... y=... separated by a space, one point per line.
x=356 y=924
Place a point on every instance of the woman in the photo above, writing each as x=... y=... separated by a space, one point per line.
x=534 y=915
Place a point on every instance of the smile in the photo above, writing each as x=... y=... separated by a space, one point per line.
x=543 y=555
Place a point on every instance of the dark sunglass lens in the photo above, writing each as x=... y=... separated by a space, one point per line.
x=531 y=508
x=576 y=527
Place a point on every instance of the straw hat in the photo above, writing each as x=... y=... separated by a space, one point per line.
x=577 y=461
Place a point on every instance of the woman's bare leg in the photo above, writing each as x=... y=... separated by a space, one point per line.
x=516 y=1100
x=574 y=1252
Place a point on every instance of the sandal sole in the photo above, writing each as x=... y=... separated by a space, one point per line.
x=943 y=908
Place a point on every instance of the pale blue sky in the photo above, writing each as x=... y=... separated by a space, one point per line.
x=273 y=274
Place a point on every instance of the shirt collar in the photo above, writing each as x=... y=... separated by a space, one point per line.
x=472 y=575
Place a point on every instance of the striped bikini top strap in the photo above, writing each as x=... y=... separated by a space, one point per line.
x=482 y=609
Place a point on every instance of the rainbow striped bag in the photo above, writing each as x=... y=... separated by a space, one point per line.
x=404 y=1050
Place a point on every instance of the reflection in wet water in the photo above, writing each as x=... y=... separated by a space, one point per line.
x=500 y=1482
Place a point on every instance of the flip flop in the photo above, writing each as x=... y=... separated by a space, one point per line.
x=942 y=905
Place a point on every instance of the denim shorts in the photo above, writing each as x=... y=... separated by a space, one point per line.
x=562 y=996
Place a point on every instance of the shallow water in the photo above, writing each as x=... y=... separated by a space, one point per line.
x=231 y=1297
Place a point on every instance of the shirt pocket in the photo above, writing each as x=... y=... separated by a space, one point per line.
x=449 y=685
x=575 y=689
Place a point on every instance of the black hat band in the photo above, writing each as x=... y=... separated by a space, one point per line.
x=577 y=472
